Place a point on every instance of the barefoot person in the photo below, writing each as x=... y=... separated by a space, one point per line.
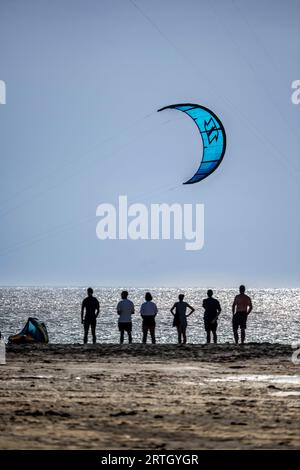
x=180 y=317
x=241 y=308
x=91 y=307
x=125 y=310
x=212 y=311
x=148 y=312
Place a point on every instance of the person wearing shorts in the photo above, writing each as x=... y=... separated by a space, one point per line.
x=241 y=307
x=148 y=313
x=125 y=310
x=91 y=307
x=180 y=317
x=212 y=310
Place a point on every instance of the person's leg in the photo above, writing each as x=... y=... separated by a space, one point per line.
x=121 y=336
x=236 y=335
x=179 y=334
x=235 y=327
x=152 y=333
x=184 y=335
x=86 y=332
x=208 y=336
x=215 y=337
x=145 y=332
x=243 y=335
x=129 y=337
x=93 y=327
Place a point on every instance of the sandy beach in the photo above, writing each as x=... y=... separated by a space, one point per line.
x=150 y=397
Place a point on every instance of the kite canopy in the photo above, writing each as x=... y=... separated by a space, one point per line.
x=33 y=332
x=213 y=137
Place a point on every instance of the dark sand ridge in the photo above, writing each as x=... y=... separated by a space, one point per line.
x=149 y=397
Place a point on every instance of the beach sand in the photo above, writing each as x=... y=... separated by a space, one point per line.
x=150 y=397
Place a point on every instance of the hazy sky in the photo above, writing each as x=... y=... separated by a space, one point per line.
x=84 y=80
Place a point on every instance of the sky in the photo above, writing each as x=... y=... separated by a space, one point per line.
x=84 y=79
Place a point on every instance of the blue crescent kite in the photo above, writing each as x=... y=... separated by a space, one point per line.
x=213 y=137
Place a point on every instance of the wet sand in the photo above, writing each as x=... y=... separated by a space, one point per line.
x=150 y=397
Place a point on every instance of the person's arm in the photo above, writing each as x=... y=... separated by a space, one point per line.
x=118 y=309
x=191 y=308
x=132 y=311
x=97 y=309
x=155 y=310
x=172 y=309
x=250 y=307
x=233 y=306
x=82 y=312
x=218 y=310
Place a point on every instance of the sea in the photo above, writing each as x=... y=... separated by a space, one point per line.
x=275 y=317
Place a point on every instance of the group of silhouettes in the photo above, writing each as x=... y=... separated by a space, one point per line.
x=241 y=307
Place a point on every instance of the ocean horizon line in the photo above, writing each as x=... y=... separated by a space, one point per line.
x=95 y=286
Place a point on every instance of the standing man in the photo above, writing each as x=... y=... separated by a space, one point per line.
x=148 y=312
x=241 y=308
x=125 y=310
x=212 y=311
x=92 y=309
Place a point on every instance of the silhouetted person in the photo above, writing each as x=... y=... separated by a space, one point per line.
x=212 y=311
x=92 y=308
x=148 y=312
x=241 y=308
x=125 y=310
x=180 y=317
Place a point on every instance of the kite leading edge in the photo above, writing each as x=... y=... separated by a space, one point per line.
x=213 y=137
